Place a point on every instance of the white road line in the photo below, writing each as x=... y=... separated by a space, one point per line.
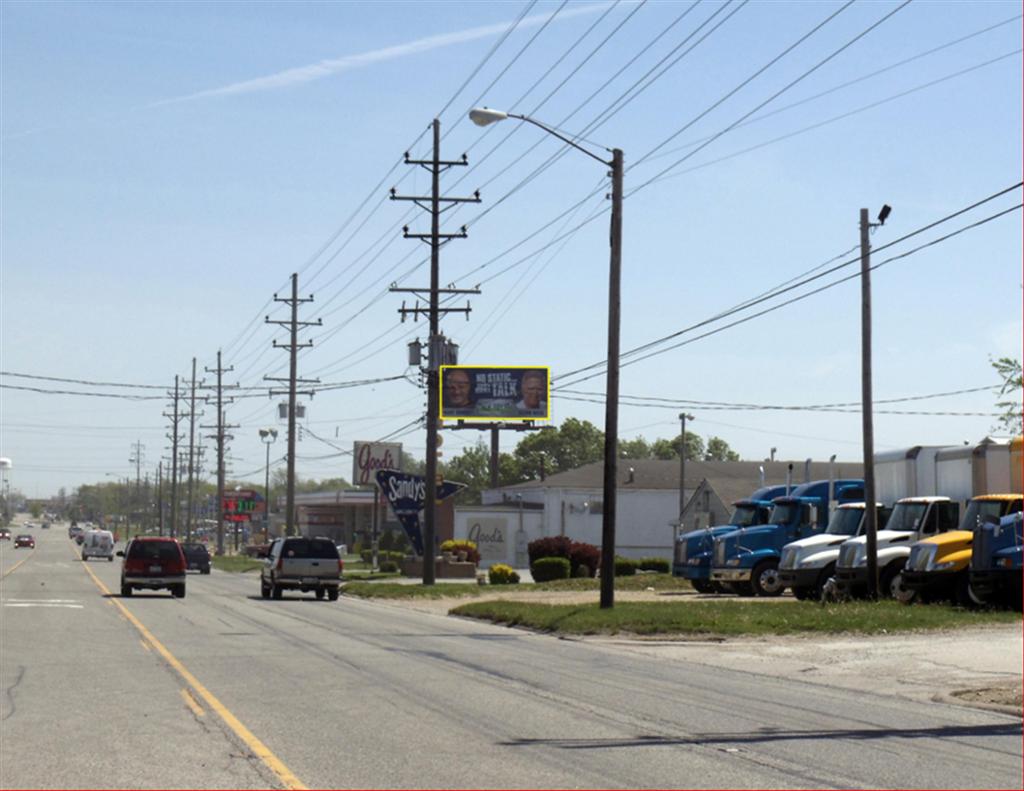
x=45 y=604
x=47 y=601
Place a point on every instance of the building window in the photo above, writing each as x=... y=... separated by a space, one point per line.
x=596 y=507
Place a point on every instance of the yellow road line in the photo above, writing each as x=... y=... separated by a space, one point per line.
x=191 y=703
x=259 y=749
x=144 y=644
x=12 y=568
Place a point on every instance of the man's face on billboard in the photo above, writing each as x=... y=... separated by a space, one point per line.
x=457 y=389
x=533 y=391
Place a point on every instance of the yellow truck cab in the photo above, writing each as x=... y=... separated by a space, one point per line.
x=939 y=567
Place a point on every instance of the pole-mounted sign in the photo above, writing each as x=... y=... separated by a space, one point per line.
x=406 y=494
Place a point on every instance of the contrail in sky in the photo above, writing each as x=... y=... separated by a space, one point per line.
x=329 y=67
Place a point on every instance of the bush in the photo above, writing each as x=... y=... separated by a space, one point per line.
x=388 y=566
x=584 y=556
x=549 y=547
x=624 y=567
x=653 y=564
x=576 y=552
x=500 y=574
x=547 y=569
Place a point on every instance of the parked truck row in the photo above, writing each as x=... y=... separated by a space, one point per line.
x=946 y=528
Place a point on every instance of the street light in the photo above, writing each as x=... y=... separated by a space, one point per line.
x=683 y=417
x=482 y=116
x=269 y=437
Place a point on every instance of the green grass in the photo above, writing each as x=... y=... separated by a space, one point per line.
x=396 y=590
x=730 y=617
x=236 y=563
x=639 y=582
x=362 y=575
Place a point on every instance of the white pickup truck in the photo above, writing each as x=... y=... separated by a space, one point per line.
x=304 y=564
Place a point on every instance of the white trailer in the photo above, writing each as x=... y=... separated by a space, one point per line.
x=963 y=472
x=909 y=472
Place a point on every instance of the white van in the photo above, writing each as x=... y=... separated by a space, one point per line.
x=98 y=544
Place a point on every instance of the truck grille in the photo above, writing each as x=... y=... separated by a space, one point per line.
x=789 y=555
x=981 y=549
x=847 y=556
x=919 y=557
x=680 y=552
x=719 y=553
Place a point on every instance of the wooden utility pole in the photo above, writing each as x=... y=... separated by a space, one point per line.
x=220 y=436
x=293 y=346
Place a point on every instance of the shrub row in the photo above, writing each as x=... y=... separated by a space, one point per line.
x=382 y=555
x=547 y=569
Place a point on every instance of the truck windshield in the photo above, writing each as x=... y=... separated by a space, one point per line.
x=845 y=522
x=977 y=510
x=744 y=516
x=906 y=516
x=784 y=513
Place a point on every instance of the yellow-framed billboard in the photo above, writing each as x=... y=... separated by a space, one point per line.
x=495 y=392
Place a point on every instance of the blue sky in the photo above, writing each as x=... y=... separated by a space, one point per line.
x=167 y=166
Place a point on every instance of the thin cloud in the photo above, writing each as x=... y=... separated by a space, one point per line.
x=327 y=68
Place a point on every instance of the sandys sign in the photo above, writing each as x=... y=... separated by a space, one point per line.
x=406 y=494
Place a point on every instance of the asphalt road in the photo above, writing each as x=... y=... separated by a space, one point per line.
x=225 y=690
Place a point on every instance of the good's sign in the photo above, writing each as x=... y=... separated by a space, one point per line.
x=370 y=457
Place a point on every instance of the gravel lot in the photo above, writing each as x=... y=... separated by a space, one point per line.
x=978 y=667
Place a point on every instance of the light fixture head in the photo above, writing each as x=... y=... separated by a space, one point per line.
x=483 y=116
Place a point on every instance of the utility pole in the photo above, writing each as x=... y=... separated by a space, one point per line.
x=611 y=398
x=683 y=417
x=160 y=498
x=191 y=454
x=867 y=406
x=136 y=458
x=293 y=346
x=174 y=437
x=220 y=437
x=436 y=342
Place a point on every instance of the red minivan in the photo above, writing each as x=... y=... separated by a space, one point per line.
x=152 y=563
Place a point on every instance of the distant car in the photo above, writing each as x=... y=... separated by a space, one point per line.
x=75 y=530
x=197 y=557
x=29 y=525
x=46 y=525
x=153 y=563
x=299 y=563
x=5 y=534
x=24 y=540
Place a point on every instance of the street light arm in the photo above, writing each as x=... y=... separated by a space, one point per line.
x=561 y=137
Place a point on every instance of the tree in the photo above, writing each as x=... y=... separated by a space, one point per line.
x=718 y=450
x=1012 y=419
x=571 y=445
x=637 y=448
x=666 y=449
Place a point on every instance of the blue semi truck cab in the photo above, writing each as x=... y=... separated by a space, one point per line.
x=693 y=549
x=747 y=560
x=997 y=560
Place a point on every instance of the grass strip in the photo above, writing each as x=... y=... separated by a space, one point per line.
x=236 y=563
x=731 y=617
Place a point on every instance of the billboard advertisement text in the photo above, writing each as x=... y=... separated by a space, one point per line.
x=495 y=392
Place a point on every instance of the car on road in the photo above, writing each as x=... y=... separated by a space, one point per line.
x=5 y=534
x=197 y=557
x=24 y=540
x=301 y=563
x=75 y=530
x=153 y=563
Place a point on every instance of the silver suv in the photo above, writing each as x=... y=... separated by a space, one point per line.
x=300 y=563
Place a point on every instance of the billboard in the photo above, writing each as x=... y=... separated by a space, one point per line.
x=368 y=457
x=495 y=392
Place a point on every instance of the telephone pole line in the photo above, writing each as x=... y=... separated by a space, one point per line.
x=293 y=346
x=436 y=346
x=160 y=498
x=221 y=436
x=176 y=417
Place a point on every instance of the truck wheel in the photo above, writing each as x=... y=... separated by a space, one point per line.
x=178 y=591
x=702 y=586
x=264 y=590
x=275 y=591
x=891 y=585
x=805 y=592
x=964 y=596
x=765 y=579
x=320 y=593
x=332 y=594
x=126 y=590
